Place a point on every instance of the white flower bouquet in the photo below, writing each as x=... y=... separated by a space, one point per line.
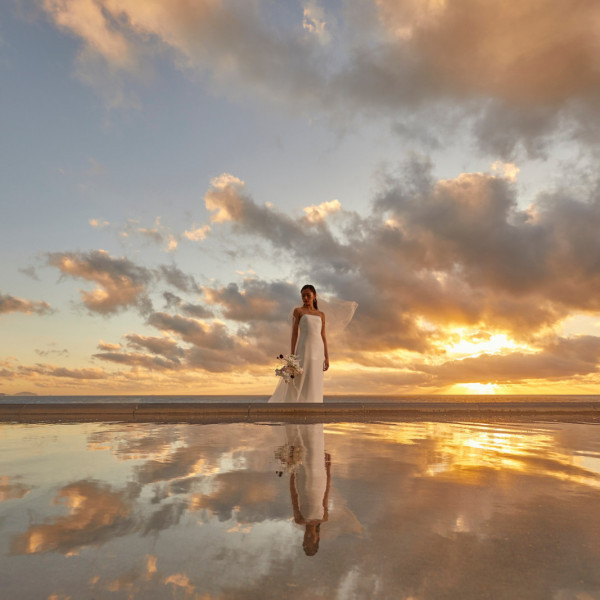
x=290 y=457
x=291 y=367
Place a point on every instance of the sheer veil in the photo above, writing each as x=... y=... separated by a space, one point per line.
x=338 y=313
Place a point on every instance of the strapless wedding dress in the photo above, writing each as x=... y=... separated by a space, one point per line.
x=311 y=474
x=308 y=387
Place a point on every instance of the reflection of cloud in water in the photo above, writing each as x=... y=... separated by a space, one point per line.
x=249 y=495
x=423 y=510
x=11 y=488
x=95 y=513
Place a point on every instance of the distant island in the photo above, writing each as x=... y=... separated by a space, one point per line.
x=23 y=394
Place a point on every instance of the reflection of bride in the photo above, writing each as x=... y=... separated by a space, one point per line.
x=304 y=458
x=309 y=343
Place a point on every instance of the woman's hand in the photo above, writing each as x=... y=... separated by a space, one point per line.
x=325 y=364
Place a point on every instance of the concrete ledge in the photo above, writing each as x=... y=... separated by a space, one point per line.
x=178 y=412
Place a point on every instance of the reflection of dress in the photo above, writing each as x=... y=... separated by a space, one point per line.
x=303 y=455
x=308 y=387
x=311 y=477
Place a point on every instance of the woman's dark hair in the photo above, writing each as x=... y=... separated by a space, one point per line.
x=309 y=545
x=310 y=287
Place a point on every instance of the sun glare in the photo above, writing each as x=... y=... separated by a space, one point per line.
x=475 y=344
x=475 y=388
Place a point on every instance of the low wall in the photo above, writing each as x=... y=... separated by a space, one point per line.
x=173 y=412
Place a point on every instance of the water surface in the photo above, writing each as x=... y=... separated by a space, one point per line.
x=428 y=510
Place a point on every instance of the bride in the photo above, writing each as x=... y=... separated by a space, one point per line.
x=310 y=346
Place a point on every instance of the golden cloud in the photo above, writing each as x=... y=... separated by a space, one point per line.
x=319 y=212
x=121 y=283
x=10 y=304
x=537 y=52
x=523 y=69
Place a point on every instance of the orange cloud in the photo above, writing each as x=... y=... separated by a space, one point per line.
x=121 y=283
x=537 y=52
x=435 y=265
x=319 y=212
x=86 y=19
x=560 y=359
x=521 y=71
x=9 y=304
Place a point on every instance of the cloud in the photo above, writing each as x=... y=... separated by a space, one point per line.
x=10 y=304
x=138 y=359
x=30 y=272
x=87 y=20
x=542 y=52
x=197 y=234
x=45 y=371
x=432 y=264
x=198 y=311
x=559 y=359
x=313 y=21
x=164 y=346
x=152 y=234
x=165 y=353
x=434 y=254
x=223 y=197
x=173 y=243
x=211 y=345
x=157 y=234
x=98 y=223
x=96 y=514
x=228 y=199
x=106 y=53
x=121 y=284
x=178 y=279
x=106 y=346
x=193 y=331
x=507 y=170
x=513 y=72
x=63 y=352
x=319 y=212
x=256 y=301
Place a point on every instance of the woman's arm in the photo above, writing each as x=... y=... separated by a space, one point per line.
x=326 y=496
x=298 y=518
x=297 y=315
x=326 y=361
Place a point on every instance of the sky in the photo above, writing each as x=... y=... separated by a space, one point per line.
x=174 y=171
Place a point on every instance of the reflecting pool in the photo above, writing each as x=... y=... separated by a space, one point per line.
x=427 y=510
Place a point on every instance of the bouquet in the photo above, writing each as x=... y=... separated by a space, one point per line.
x=290 y=457
x=290 y=369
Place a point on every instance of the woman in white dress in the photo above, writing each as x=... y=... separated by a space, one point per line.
x=309 y=343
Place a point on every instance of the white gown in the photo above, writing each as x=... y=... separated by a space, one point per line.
x=308 y=387
x=311 y=474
